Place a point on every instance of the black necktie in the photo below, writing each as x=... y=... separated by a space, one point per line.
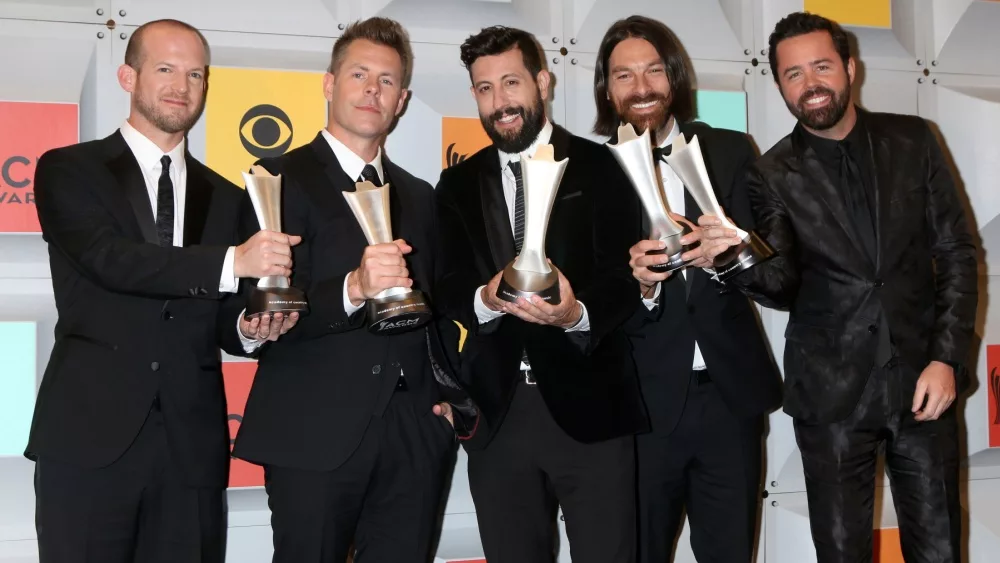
x=515 y=167
x=369 y=173
x=165 y=205
x=660 y=152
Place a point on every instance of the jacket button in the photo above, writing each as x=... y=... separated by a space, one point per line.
x=376 y=369
x=167 y=316
x=155 y=366
x=872 y=329
x=878 y=283
x=202 y=291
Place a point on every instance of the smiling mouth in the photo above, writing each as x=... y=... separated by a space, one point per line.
x=816 y=101
x=645 y=105
x=508 y=119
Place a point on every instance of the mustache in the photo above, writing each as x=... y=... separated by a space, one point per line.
x=504 y=112
x=817 y=91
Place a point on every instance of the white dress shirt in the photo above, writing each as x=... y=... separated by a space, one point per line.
x=484 y=313
x=148 y=156
x=674 y=190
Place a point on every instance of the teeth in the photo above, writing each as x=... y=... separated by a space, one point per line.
x=508 y=119
x=817 y=100
x=645 y=105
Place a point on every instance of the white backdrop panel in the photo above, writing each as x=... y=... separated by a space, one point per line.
x=289 y=17
x=92 y=11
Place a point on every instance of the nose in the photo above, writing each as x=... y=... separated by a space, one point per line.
x=641 y=86
x=372 y=86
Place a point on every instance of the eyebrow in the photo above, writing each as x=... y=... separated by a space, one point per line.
x=502 y=78
x=648 y=64
x=366 y=69
x=813 y=63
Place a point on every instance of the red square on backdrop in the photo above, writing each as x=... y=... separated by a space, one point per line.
x=28 y=130
x=993 y=393
x=238 y=378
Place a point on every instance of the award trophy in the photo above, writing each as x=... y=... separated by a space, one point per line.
x=530 y=273
x=687 y=161
x=635 y=155
x=397 y=309
x=273 y=294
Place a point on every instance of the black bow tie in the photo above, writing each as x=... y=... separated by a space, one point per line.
x=659 y=153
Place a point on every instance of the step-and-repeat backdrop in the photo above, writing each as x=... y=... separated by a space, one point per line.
x=933 y=58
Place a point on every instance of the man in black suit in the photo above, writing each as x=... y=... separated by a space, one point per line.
x=129 y=432
x=555 y=383
x=706 y=373
x=878 y=269
x=342 y=420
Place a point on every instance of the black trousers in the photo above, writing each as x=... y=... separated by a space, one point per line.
x=135 y=510
x=384 y=500
x=922 y=459
x=710 y=463
x=530 y=468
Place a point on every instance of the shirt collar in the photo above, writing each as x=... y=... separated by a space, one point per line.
x=147 y=153
x=674 y=131
x=351 y=163
x=543 y=138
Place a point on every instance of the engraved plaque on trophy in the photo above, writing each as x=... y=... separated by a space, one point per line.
x=273 y=294
x=687 y=161
x=397 y=309
x=635 y=155
x=530 y=273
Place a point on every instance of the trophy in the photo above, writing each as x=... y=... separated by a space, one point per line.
x=635 y=155
x=530 y=273
x=273 y=294
x=687 y=161
x=397 y=309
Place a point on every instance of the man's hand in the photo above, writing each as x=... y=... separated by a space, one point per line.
x=267 y=253
x=937 y=385
x=382 y=266
x=640 y=263
x=489 y=294
x=564 y=315
x=715 y=239
x=266 y=327
x=444 y=409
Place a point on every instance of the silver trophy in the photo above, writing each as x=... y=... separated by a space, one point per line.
x=635 y=155
x=530 y=273
x=688 y=163
x=397 y=309
x=273 y=294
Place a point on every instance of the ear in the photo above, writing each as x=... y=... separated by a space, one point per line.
x=402 y=101
x=544 y=79
x=328 y=82
x=850 y=70
x=127 y=78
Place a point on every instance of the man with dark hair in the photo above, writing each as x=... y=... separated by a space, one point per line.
x=705 y=370
x=878 y=268
x=129 y=432
x=345 y=422
x=555 y=383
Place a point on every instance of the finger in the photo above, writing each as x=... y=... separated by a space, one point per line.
x=274 y=329
x=265 y=326
x=643 y=246
x=692 y=237
x=442 y=409
x=934 y=398
x=709 y=221
x=942 y=406
x=648 y=260
x=387 y=282
x=402 y=246
x=919 y=395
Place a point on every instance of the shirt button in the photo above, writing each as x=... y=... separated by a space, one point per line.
x=376 y=369
x=878 y=283
x=872 y=329
x=155 y=366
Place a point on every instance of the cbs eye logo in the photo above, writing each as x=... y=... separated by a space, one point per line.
x=266 y=131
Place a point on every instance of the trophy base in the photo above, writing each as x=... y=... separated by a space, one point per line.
x=740 y=258
x=396 y=314
x=517 y=283
x=270 y=300
x=675 y=262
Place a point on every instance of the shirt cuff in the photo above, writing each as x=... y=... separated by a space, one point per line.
x=583 y=325
x=249 y=344
x=350 y=308
x=652 y=301
x=228 y=282
x=484 y=313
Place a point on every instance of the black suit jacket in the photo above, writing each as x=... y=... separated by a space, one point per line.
x=697 y=308
x=318 y=386
x=590 y=389
x=924 y=276
x=135 y=319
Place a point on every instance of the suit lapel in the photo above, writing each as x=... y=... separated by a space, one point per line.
x=198 y=196
x=882 y=165
x=495 y=214
x=696 y=278
x=125 y=168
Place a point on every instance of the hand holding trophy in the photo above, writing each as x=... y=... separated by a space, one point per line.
x=397 y=309
x=273 y=294
x=635 y=155
x=530 y=273
x=688 y=163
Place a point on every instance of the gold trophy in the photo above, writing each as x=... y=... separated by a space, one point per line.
x=635 y=155
x=273 y=294
x=397 y=309
x=530 y=273
x=688 y=163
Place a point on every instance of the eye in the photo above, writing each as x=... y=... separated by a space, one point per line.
x=196 y=75
x=358 y=75
x=387 y=81
x=621 y=76
x=483 y=89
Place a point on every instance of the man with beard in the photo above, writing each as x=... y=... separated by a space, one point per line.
x=555 y=383
x=705 y=370
x=129 y=433
x=878 y=269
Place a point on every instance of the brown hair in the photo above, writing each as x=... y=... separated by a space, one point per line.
x=381 y=31
x=134 y=54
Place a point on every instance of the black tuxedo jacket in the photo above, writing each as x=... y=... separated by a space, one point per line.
x=924 y=277
x=697 y=308
x=135 y=319
x=590 y=387
x=318 y=386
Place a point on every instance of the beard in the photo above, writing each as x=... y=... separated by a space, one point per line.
x=532 y=121
x=654 y=121
x=167 y=122
x=821 y=119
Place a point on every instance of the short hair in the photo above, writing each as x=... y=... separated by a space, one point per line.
x=134 y=53
x=802 y=23
x=378 y=30
x=499 y=39
x=680 y=73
